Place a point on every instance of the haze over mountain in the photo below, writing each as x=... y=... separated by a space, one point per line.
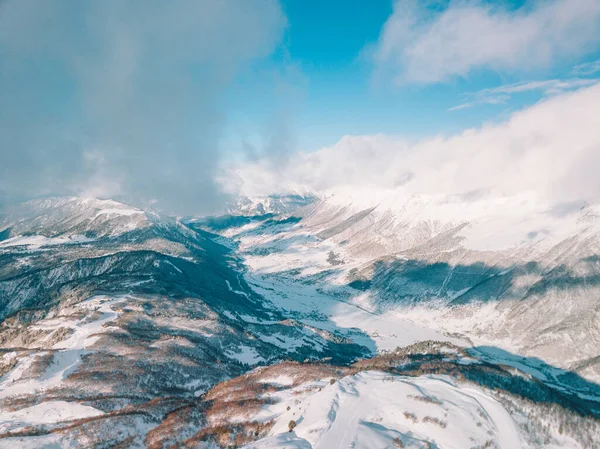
x=307 y=225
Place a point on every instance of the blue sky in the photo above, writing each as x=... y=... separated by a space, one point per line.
x=150 y=99
x=327 y=45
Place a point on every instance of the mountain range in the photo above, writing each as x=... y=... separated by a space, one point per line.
x=344 y=318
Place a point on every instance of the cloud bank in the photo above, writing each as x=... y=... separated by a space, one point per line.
x=551 y=149
x=123 y=98
x=422 y=44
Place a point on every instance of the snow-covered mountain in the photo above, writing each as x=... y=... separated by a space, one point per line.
x=271 y=204
x=510 y=269
x=368 y=318
x=106 y=308
x=68 y=217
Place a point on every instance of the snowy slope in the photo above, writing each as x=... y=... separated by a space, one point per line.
x=373 y=410
x=483 y=221
x=68 y=217
x=46 y=413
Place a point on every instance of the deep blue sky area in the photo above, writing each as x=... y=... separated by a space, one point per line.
x=328 y=35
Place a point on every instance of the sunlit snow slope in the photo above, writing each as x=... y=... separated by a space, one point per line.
x=377 y=410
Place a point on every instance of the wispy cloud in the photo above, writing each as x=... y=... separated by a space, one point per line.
x=425 y=45
x=588 y=68
x=501 y=94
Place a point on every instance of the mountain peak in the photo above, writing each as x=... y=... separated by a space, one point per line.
x=72 y=216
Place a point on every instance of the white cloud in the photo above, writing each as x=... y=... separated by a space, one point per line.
x=587 y=68
x=423 y=46
x=551 y=148
x=501 y=94
x=120 y=97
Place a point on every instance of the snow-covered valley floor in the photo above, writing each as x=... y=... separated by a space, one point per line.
x=306 y=303
x=325 y=306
